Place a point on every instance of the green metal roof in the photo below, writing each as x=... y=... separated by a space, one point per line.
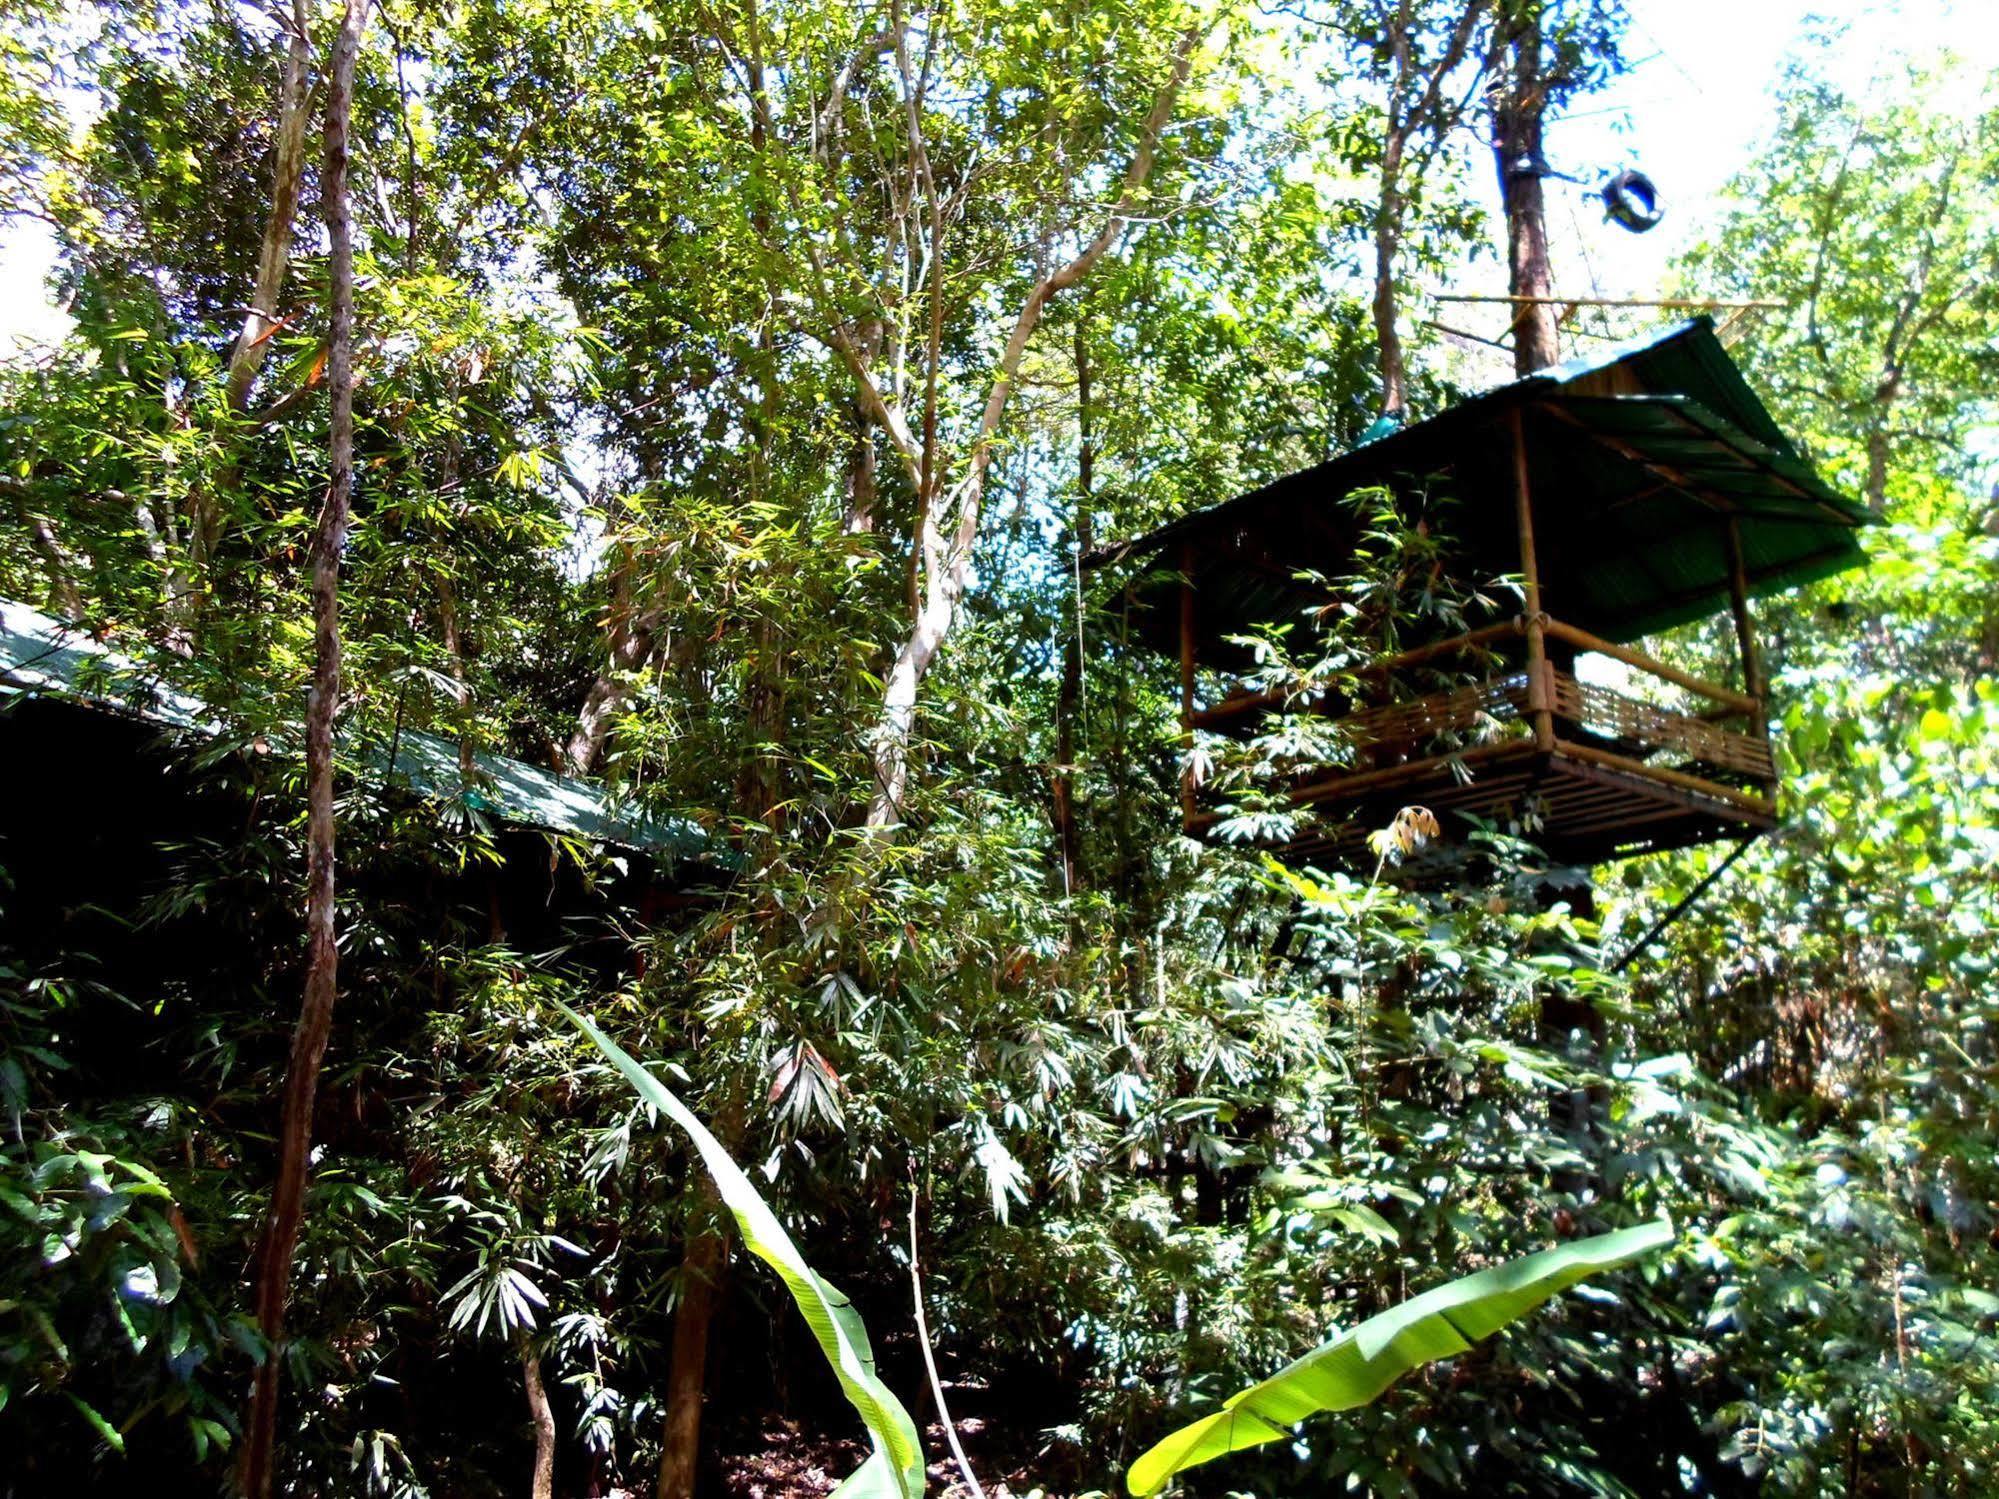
x=42 y=655
x=1637 y=459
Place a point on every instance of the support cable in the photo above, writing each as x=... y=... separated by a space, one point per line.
x=1685 y=902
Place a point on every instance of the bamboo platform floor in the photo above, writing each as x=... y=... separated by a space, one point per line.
x=1578 y=811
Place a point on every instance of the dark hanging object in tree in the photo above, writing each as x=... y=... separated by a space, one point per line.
x=1630 y=200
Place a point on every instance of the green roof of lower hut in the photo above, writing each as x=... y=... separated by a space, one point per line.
x=42 y=655
x=1637 y=460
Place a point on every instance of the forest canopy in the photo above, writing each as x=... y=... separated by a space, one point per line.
x=614 y=509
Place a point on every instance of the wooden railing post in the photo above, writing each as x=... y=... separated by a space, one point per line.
x=1540 y=701
x=1187 y=807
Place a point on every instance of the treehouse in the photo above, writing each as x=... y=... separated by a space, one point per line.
x=123 y=774
x=1608 y=499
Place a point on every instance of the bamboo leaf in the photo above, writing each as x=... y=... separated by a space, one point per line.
x=1357 y=1366
x=895 y=1471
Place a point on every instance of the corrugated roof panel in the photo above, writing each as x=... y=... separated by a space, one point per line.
x=42 y=654
x=1635 y=454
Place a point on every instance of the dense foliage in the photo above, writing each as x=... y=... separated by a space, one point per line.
x=698 y=390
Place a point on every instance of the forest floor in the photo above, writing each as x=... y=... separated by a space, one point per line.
x=789 y=1460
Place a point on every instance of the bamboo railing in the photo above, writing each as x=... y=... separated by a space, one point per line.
x=1404 y=739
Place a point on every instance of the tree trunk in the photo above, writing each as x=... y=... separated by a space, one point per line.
x=701 y=1271
x=858 y=517
x=64 y=597
x=946 y=569
x=1387 y=246
x=947 y=527
x=1069 y=699
x=189 y=575
x=1880 y=412
x=260 y=320
x=1516 y=146
x=631 y=647
x=1877 y=471
x=1388 y=218
x=286 y=1209
x=539 y=1411
x=461 y=687
x=450 y=627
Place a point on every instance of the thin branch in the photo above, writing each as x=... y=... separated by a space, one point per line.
x=930 y=1357
x=1066 y=276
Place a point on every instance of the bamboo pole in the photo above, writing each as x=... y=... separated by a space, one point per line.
x=1540 y=709
x=1745 y=629
x=1582 y=640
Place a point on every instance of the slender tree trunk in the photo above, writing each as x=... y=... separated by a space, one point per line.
x=1881 y=412
x=543 y=1416
x=701 y=1272
x=1420 y=107
x=188 y=578
x=451 y=629
x=945 y=571
x=260 y=320
x=1069 y=699
x=461 y=686
x=1388 y=217
x=1516 y=146
x=286 y=1209
x=1877 y=471
x=1387 y=248
x=947 y=529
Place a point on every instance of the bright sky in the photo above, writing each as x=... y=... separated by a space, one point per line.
x=1688 y=114
x=1693 y=108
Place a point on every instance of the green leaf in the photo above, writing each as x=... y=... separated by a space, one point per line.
x=896 y=1470
x=1364 y=1220
x=1357 y=1366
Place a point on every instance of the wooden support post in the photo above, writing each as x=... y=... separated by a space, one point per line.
x=1187 y=808
x=1745 y=630
x=1540 y=701
x=1745 y=642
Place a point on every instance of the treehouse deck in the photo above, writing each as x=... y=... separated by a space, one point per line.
x=1615 y=774
x=1626 y=495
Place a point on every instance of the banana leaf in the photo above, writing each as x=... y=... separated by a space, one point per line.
x=1357 y=1366
x=896 y=1469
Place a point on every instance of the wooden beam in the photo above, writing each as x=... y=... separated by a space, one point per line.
x=1681 y=596
x=1490 y=343
x=1353 y=783
x=1680 y=303
x=1686 y=484
x=1756 y=460
x=1714 y=791
x=1408 y=770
